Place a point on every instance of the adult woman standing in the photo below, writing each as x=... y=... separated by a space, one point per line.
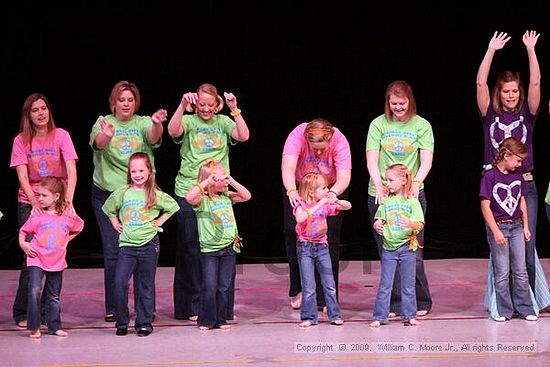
x=40 y=149
x=114 y=138
x=508 y=112
x=400 y=135
x=203 y=135
x=317 y=147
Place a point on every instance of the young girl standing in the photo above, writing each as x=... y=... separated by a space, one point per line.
x=504 y=209
x=137 y=211
x=51 y=229
x=398 y=220
x=219 y=240
x=312 y=247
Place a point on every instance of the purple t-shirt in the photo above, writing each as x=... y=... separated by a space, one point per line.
x=504 y=191
x=314 y=228
x=496 y=128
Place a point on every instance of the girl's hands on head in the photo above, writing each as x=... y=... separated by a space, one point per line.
x=530 y=39
x=499 y=40
x=159 y=116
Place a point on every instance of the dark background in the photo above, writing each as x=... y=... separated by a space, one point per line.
x=287 y=62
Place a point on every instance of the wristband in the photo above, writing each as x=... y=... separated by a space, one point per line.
x=289 y=191
x=200 y=188
x=419 y=182
x=235 y=113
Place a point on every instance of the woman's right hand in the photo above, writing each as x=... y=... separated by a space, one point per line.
x=499 y=40
x=381 y=194
x=106 y=127
x=294 y=198
x=189 y=100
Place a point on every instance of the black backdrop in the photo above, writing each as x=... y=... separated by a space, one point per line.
x=287 y=62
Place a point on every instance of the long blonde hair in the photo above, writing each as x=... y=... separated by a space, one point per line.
x=150 y=185
x=310 y=182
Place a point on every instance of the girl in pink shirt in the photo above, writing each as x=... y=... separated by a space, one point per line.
x=49 y=231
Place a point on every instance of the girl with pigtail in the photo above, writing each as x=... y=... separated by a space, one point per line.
x=312 y=249
x=398 y=219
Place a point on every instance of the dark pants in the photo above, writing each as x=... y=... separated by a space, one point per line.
x=188 y=271
x=141 y=262
x=423 y=296
x=19 y=307
x=47 y=299
x=218 y=271
x=532 y=201
x=109 y=240
x=334 y=227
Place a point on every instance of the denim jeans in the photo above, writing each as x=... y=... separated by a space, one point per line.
x=314 y=257
x=334 y=228
x=532 y=198
x=422 y=288
x=19 y=307
x=547 y=212
x=509 y=260
x=406 y=260
x=141 y=262
x=50 y=294
x=218 y=272
x=187 y=271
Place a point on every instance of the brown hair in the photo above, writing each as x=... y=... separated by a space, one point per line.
x=318 y=130
x=506 y=77
x=55 y=185
x=310 y=182
x=117 y=90
x=27 y=128
x=403 y=171
x=150 y=184
x=510 y=145
x=401 y=89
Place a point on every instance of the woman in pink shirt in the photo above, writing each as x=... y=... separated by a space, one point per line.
x=314 y=147
x=39 y=150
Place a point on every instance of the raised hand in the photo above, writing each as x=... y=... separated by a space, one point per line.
x=499 y=40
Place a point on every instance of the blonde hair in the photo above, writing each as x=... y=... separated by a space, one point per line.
x=309 y=183
x=209 y=166
x=402 y=171
x=510 y=145
x=55 y=185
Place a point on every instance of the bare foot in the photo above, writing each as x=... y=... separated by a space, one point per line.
x=225 y=326
x=338 y=322
x=412 y=322
x=305 y=324
x=35 y=334
x=204 y=328
x=422 y=313
x=375 y=324
x=392 y=316
x=22 y=324
x=296 y=301
x=61 y=333
x=193 y=318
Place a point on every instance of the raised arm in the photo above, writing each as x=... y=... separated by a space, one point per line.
x=175 y=127
x=240 y=132
x=155 y=131
x=533 y=93
x=483 y=97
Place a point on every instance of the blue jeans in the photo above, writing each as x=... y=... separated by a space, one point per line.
x=218 y=272
x=334 y=228
x=141 y=262
x=405 y=259
x=19 y=307
x=187 y=272
x=52 y=303
x=509 y=260
x=422 y=289
x=531 y=197
x=315 y=257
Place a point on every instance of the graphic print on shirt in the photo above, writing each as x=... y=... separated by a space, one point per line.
x=499 y=131
x=208 y=139
x=127 y=141
x=507 y=196
x=399 y=143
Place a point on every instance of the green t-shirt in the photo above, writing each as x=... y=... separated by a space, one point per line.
x=202 y=140
x=547 y=198
x=128 y=205
x=398 y=142
x=216 y=222
x=393 y=208
x=111 y=163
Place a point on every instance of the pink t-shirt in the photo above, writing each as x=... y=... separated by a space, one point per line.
x=46 y=157
x=314 y=228
x=337 y=156
x=50 y=238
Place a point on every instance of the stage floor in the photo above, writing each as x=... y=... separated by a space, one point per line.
x=456 y=333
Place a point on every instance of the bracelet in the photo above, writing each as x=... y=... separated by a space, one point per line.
x=200 y=188
x=334 y=192
x=236 y=113
x=419 y=182
x=289 y=191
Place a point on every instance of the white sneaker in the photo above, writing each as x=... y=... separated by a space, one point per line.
x=531 y=318
x=500 y=319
